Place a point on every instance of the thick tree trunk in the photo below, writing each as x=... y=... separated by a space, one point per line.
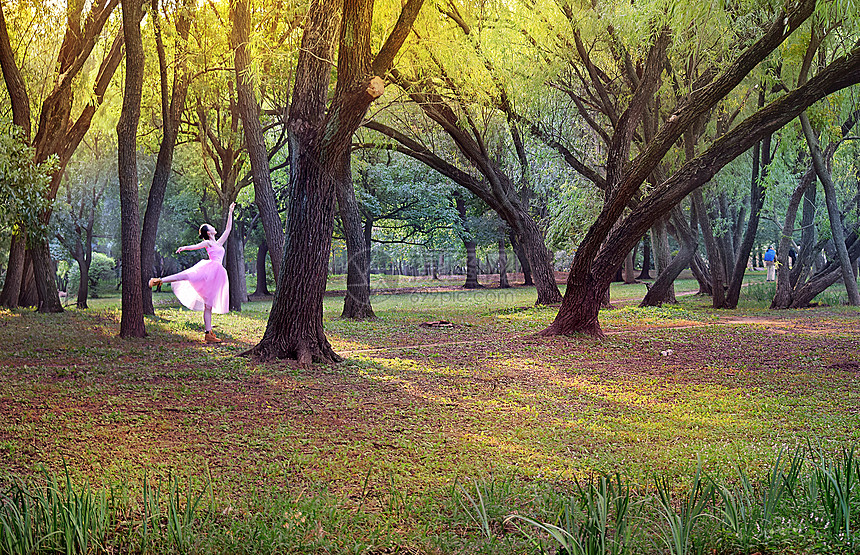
x=295 y=329
x=503 y=265
x=262 y=289
x=580 y=307
x=249 y=111
x=356 y=304
x=131 y=323
x=46 y=280
x=14 y=272
x=320 y=140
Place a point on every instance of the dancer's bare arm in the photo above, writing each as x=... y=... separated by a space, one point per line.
x=228 y=227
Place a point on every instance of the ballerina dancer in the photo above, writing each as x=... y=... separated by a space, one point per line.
x=204 y=286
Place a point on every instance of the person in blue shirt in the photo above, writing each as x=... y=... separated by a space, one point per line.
x=770 y=263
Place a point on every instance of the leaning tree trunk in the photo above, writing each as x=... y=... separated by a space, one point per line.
x=702 y=275
x=14 y=272
x=661 y=288
x=356 y=304
x=833 y=212
x=503 y=265
x=828 y=275
x=540 y=260
x=131 y=322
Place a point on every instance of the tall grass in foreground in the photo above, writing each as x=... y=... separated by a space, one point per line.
x=808 y=502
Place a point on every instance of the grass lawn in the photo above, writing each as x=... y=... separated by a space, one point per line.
x=422 y=435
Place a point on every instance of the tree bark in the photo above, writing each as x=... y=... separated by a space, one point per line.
x=319 y=143
x=14 y=272
x=629 y=271
x=131 y=323
x=503 y=265
x=660 y=240
x=784 y=286
x=471 y=248
x=523 y=259
x=356 y=304
x=830 y=274
x=646 y=259
x=757 y=192
x=660 y=291
x=235 y=265
x=249 y=110
x=172 y=106
x=262 y=289
x=823 y=173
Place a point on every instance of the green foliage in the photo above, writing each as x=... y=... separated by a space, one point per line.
x=23 y=185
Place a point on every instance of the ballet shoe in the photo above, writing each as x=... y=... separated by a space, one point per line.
x=209 y=337
x=154 y=282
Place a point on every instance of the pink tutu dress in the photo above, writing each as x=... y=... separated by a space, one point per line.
x=205 y=283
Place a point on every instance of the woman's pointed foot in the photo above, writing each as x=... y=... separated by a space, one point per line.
x=209 y=337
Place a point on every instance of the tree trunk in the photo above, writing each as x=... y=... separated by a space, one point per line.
x=172 y=106
x=629 y=271
x=356 y=304
x=262 y=289
x=539 y=258
x=320 y=142
x=660 y=241
x=14 y=272
x=661 y=290
x=131 y=323
x=523 y=259
x=45 y=276
x=235 y=265
x=757 y=192
x=784 y=286
x=580 y=308
x=470 y=245
x=503 y=265
x=715 y=262
x=702 y=275
x=830 y=274
x=823 y=173
x=249 y=111
x=646 y=259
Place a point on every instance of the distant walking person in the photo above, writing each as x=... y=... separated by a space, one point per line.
x=204 y=286
x=770 y=263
